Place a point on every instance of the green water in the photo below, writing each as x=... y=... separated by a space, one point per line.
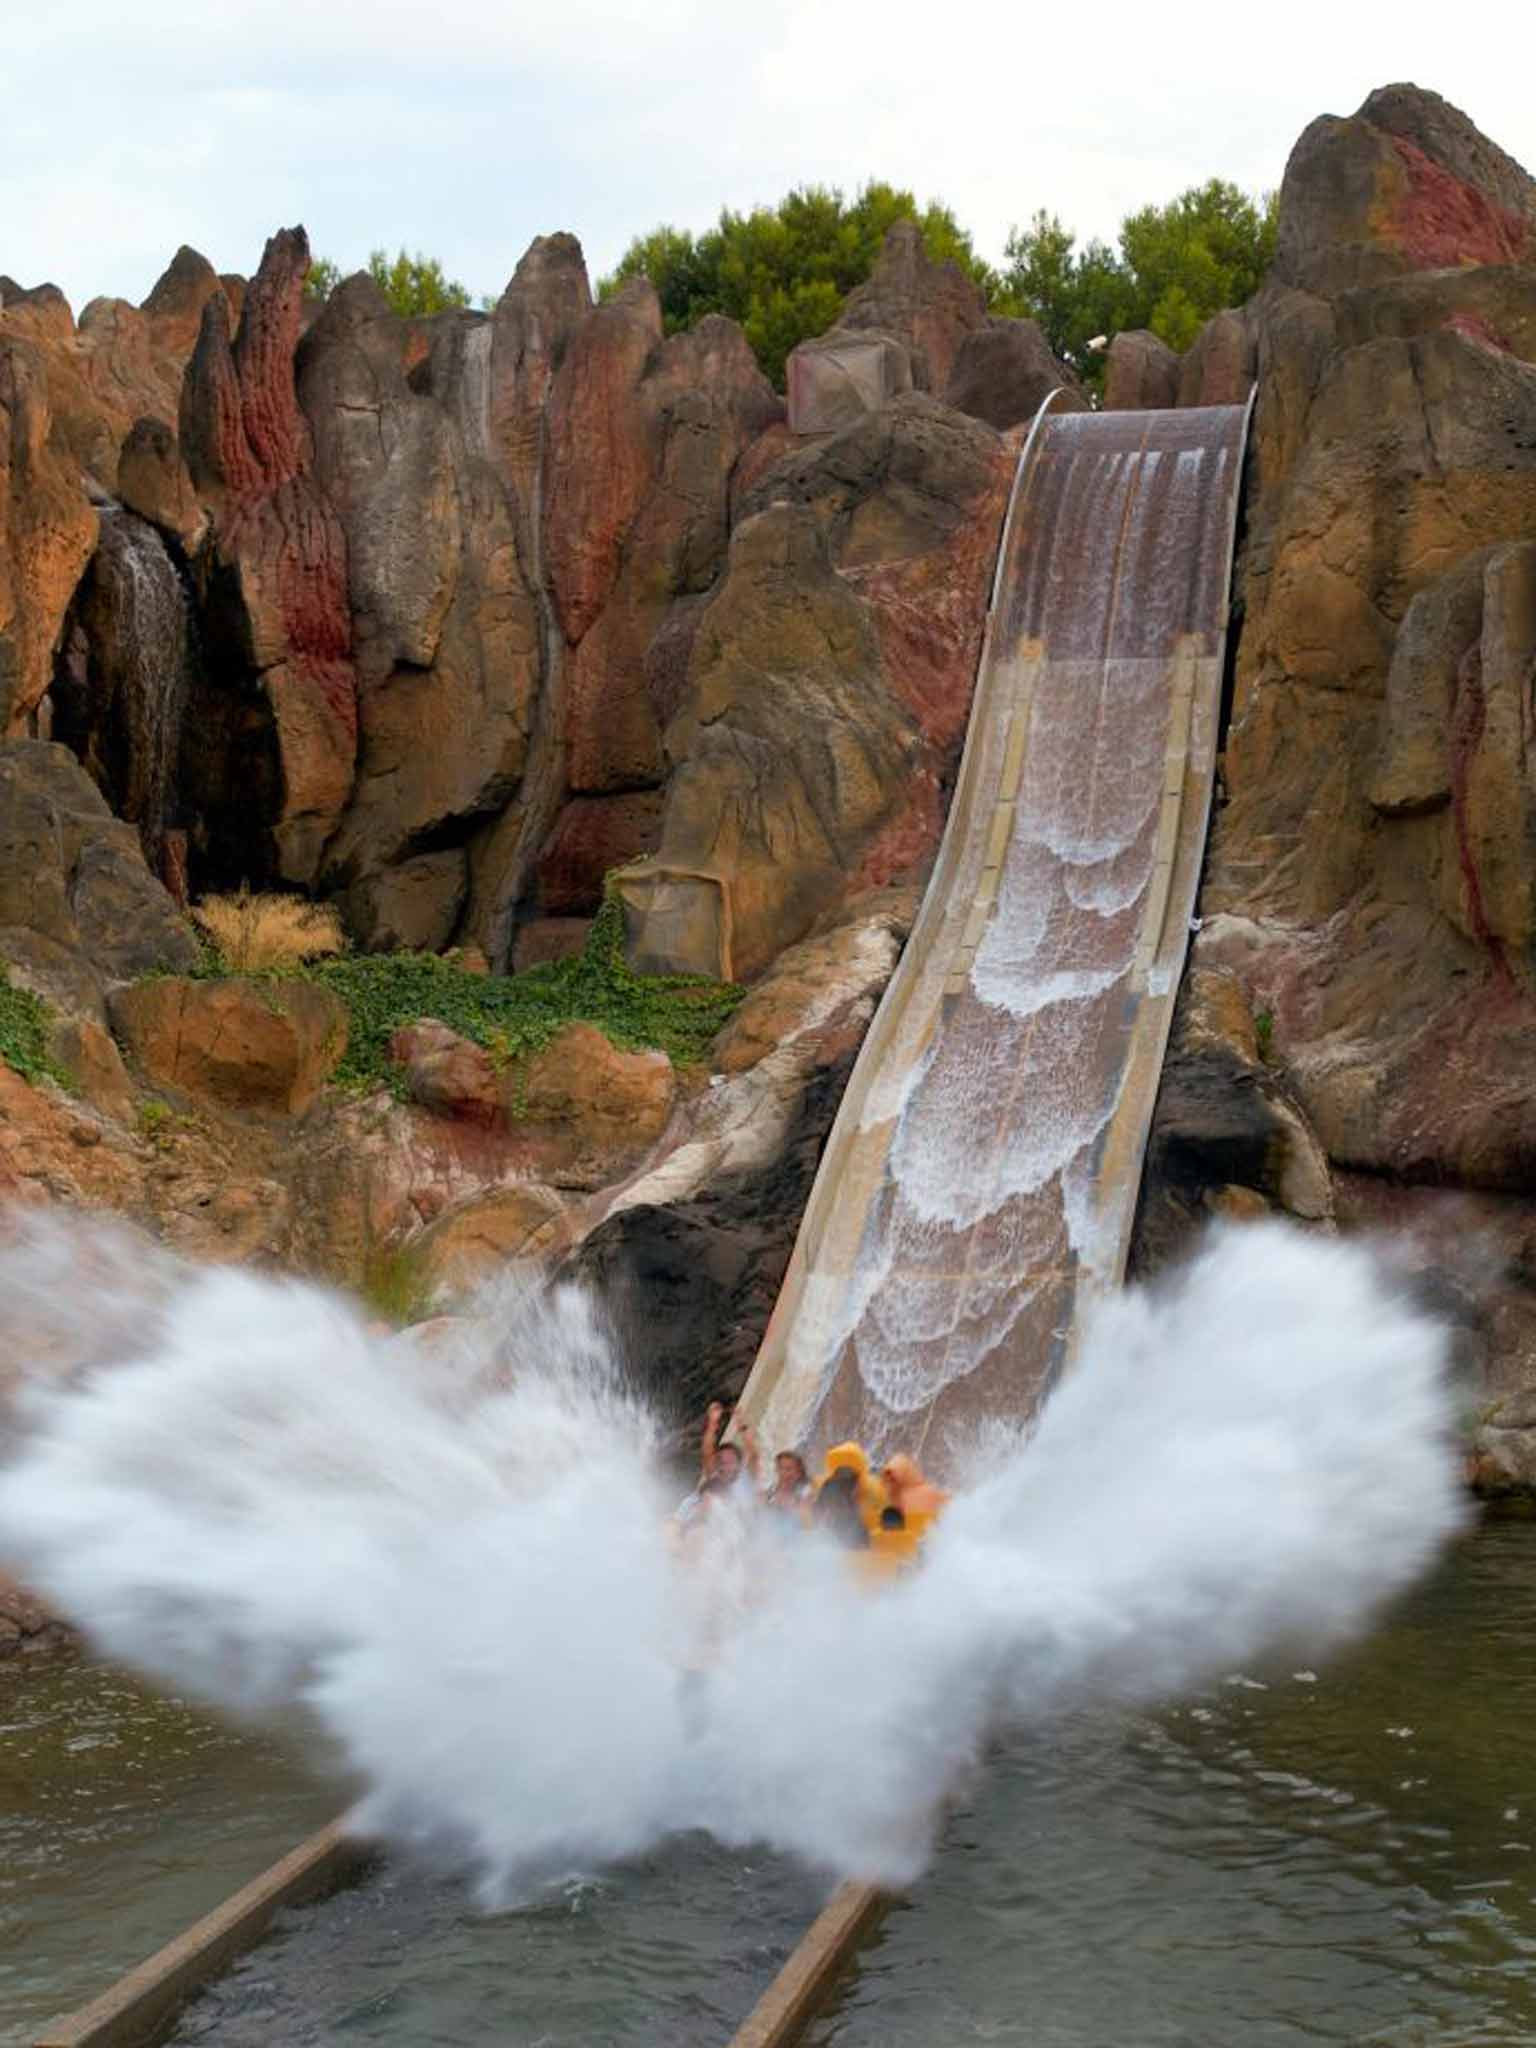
x=1338 y=1854
x=1348 y=1856
x=123 y=1816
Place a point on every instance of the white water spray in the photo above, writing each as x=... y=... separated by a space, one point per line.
x=457 y=1559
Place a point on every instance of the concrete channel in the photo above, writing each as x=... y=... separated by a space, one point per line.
x=945 y=1262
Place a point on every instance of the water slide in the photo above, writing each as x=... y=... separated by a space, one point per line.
x=979 y=1186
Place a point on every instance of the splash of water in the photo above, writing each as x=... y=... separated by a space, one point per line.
x=457 y=1556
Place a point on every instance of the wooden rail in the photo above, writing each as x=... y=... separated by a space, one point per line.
x=820 y=1958
x=141 y=2007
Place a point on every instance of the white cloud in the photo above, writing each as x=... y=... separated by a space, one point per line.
x=466 y=128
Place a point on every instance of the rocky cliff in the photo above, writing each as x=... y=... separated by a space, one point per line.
x=1364 y=971
x=447 y=621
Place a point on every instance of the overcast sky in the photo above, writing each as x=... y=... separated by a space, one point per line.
x=464 y=128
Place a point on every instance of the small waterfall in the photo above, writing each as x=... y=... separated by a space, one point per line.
x=130 y=706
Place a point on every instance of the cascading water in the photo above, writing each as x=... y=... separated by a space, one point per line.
x=124 y=716
x=985 y=1167
x=457 y=1556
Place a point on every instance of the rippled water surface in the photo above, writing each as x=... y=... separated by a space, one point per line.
x=1344 y=1856
x=1339 y=1855
x=123 y=1816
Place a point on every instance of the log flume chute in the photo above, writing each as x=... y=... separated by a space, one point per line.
x=979 y=1187
x=980 y=1183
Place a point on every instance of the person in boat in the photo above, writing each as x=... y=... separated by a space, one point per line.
x=730 y=1459
x=791 y=1492
x=835 y=1512
x=919 y=1500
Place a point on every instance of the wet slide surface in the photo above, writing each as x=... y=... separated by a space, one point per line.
x=980 y=1183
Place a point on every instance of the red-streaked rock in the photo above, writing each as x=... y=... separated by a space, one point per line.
x=447 y=1072
x=249 y=453
x=702 y=401
x=1405 y=184
x=601 y=452
x=592 y=835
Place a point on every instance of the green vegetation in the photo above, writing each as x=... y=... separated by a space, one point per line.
x=1175 y=266
x=783 y=271
x=394 y=1286
x=24 y=1034
x=512 y=1015
x=414 y=285
x=1264 y=1033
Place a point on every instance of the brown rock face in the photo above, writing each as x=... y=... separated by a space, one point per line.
x=471 y=1241
x=546 y=300
x=587 y=1109
x=828 y=680
x=1219 y=367
x=1407 y=184
x=410 y=908
x=1228 y=1139
x=929 y=306
x=447 y=1072
x=47 y=530
x=69 y=397
x=174 y=308
x=78 y=907
x=241 y=1044
x=152 y=481
x=754 y=815
x=276 y=558
x=1141 y=374
x=1004 y=371
x=1370 y=884
x=445 y=630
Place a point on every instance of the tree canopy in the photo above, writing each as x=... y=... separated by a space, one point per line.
x=783 y=271
x=1174 y=267
x=414 y=285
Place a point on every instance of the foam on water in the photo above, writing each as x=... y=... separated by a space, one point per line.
x=457 y=1557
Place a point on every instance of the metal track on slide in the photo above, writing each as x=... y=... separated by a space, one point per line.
x=979 y=1186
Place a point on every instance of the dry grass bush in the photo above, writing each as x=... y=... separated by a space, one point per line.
x=253 y=932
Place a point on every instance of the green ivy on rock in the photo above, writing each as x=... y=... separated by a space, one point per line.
x=513 y=1015
x=24 y=1033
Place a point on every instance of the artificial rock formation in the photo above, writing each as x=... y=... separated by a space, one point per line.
x=274 y=566
x=490 y=606
x=1370 y=881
